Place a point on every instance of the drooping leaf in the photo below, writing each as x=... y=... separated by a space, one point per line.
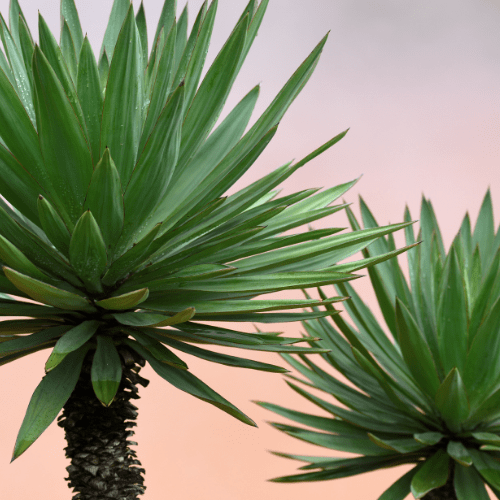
x=125 y=301
x=47 y=294
x=432 y=475
x=48 y=399
x=72 y=340
x=106 y=371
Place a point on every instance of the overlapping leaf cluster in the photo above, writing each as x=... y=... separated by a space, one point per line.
x=428 y=393
x=114 y=215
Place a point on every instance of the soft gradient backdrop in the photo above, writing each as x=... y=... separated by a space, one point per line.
x=417 y=82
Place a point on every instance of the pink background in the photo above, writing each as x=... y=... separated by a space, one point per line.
x=417 y=82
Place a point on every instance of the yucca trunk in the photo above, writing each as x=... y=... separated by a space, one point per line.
x=102 y=463
x=446 y=492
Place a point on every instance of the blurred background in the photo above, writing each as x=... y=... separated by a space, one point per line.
x=417 y=83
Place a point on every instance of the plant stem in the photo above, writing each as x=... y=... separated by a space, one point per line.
x=102 y=464
x=446 y=492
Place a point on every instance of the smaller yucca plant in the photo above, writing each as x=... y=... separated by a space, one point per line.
x=429 y=393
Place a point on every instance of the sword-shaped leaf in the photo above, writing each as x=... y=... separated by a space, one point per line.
x=187 y=382
x=432 y=475
x=416 y=351
x=53 y=225
x=68 y=49
x=117 y=17
x=71 y=341
x=452 y=402
x=89 y=93
x=70 y=15
x=154 y=320
x=159 y=351
x=131 y=258
x=106 y=371
x=125 y=301
x=48 y=399
x=105 y=197
x=212 y=94
x=487 y=466
x=68 y=161
x=35 y=339
x=54 y=56
x=16 y=60
x=140 y=20
x=48 y=294
x=122 y=113
x=87 y=252
x=452 y=317
x=468 y=484
x=167 y=16
x=155 y=165
x=15 y=259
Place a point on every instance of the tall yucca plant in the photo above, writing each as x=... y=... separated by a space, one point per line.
x=428 y=391
x=113 y=218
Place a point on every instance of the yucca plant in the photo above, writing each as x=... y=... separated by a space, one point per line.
x=114 y=220
x=427 y=384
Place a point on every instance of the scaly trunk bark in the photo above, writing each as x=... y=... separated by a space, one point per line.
x=446 y=492
x=102 y=464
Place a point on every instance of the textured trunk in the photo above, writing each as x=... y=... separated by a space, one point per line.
x=446 y=492
x=102 y=464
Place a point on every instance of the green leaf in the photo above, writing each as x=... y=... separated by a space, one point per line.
x=452 y=401
x=401 y=488
x=15 y=259
x=105 y=199
x=131 y=258
x=48 y=399
x=459 y=453
x=38 y=338
x=68 y=50
x=47 y=294
x=122 y=113
x=186 y=183
x=155 y=165
x=87 y=252
x=432 y=475
x=452 y=317
x=106 y=371
x=154 y=320
x=159 y=351
x=487 y=466
x=484 y=229
x=18 y=186
x=68 y=161
x=483 y=365
x=21 y=79
x=27 y=46
x=70 y=15
x=140 y=20
x=401 y=445
x=468 y=484
x=117 y=17
x=167 y=16
x=71 y=341
x=223 y=359
x=125 y=301
x=103 y=68
x=428 y=438
x=160 y=83
x=212 y=94
x=53 y=225
x=89 y=92
x=416 y=351
x=54 y=56
x=187 y=382
x=15 y=15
